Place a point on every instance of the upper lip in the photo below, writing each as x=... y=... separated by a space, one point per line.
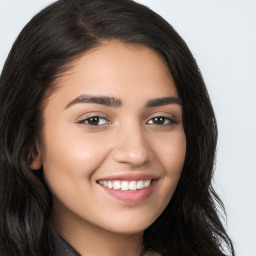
x=130 y=177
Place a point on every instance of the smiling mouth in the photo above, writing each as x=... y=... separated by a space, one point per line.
x=130 y=189
x=125 y=185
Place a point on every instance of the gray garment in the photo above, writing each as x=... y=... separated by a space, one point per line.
x=62 y=247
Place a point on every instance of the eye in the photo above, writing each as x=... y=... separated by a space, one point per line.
x=161 y=120
x=94 y=121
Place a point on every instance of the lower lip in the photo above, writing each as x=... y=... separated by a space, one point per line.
x=135 y=196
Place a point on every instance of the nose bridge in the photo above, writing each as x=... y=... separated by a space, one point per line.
x=132 y=145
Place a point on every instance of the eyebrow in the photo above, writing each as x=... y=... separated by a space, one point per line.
x=117 y=103
x=163 y=101
x=102 y=100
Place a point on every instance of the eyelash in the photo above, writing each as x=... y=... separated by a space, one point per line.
x=167 y=121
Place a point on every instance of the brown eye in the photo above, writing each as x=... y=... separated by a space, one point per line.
x=94 y=121
x=161 y=120
x=158 y=120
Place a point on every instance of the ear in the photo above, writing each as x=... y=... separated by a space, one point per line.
x=34 y=158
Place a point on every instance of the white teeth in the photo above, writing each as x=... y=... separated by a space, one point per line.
x=110 y=184
x=126 y=185
x=133 y=185
x=147 y=183
x=140 y=184
x=117 y=185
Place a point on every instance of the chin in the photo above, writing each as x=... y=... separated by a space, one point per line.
x=129 y=225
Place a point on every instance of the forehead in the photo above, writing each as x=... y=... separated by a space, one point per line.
x=118 y=69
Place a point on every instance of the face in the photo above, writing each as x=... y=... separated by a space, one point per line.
x=113 y=145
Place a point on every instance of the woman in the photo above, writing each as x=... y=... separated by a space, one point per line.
x=108 y=137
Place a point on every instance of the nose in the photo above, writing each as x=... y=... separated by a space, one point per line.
x=132 y=146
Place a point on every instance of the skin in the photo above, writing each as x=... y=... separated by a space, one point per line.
x=75 y=154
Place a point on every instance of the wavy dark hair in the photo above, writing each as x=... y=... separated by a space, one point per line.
x=59 y=34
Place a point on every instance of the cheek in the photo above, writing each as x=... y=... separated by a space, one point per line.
x=171 y=153
x=71 y=154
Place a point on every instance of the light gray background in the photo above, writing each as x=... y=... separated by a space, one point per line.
x=222 y=36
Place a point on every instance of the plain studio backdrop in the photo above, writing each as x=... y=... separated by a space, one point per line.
x=222 y=36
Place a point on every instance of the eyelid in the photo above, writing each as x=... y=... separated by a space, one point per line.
x=162 y=114
x=92 y=114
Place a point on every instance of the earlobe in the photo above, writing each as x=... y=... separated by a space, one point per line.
x=34 y=159
x=36 y=163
